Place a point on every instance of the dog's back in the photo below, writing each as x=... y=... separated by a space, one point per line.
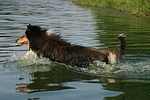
x=57 y=49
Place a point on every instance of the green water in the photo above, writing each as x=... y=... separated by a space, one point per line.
x=135 y=28
x=41 y=79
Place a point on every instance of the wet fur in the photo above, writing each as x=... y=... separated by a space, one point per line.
x=115 y=55
x=55 y=48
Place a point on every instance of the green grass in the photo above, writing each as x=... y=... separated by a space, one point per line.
x=137 y=7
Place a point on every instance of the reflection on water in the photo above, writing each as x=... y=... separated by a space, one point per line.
x=51 y=80
x=86 y=26
x=58 y=78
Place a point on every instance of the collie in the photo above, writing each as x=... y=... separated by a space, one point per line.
x=52 y=46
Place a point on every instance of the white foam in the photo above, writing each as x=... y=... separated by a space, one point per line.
x=128 y=70
x=28 y=63
x=125 y=70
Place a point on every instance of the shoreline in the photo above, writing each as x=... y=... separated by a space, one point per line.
x=135 y=7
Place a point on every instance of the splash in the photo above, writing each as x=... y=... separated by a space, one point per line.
x=140 y=70
x=30 y=63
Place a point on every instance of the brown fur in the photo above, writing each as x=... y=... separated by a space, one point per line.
x=23 y=40
x=55 y=48
x=115 y=55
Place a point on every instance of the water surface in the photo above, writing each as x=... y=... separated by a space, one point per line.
x=40 y=79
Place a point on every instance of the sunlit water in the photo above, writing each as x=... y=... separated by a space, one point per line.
x=87 y=26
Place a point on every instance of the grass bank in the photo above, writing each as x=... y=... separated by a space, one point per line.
x=137 y=7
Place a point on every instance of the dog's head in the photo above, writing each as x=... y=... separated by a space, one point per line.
x=33 y=31
x=23 y=40
x=33 y=37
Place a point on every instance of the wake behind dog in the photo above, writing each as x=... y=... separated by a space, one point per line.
x=52 y=46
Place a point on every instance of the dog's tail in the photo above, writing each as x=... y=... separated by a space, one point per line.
x=122 y=47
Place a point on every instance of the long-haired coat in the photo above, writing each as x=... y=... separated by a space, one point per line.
x=55 y=48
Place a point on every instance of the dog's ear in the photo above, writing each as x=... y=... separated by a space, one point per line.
x=28 y=27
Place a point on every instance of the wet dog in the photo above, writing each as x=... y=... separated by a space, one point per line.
x=55 y=48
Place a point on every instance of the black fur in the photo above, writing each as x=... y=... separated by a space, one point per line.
x=57 y=49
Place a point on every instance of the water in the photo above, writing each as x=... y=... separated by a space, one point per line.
x=40 y=79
